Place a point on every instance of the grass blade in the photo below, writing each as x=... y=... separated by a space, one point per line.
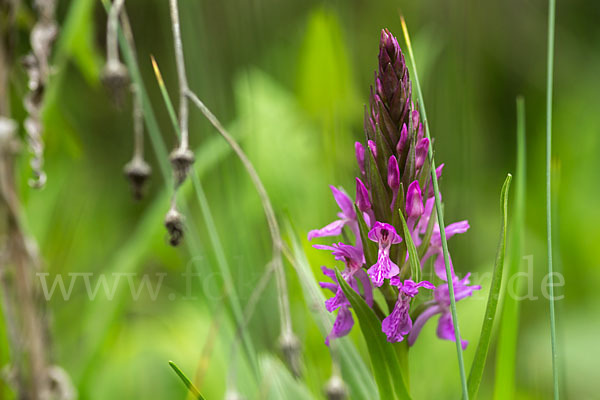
x=440 y=215
x=490 y=311
x=386 y=366
x=506 y=352
x=549 y=81
x=193 y=389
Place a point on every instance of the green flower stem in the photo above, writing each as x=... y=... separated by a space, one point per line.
x=438 y=207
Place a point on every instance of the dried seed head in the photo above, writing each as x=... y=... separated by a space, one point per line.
x=137 y=172
x=290 y=347
x=115 y=78
x=182 y=160
x=174 y=225
x=335 y=389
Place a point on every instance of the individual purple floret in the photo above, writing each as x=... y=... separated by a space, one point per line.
x=445 y=329
x=354 y=260
x=398 y=323
x=385 y=235
x=346 y=217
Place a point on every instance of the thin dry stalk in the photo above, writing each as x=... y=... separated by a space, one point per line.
x=288 y=342
x=32 y=376
x=37 y=64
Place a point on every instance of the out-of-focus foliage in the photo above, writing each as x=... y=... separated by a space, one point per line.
x=290 y=80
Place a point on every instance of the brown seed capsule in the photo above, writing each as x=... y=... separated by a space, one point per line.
x=181 y=160
x=115 y=78
x=137 y=172
x=174 y=225
x=290 y=347
x=335 y=389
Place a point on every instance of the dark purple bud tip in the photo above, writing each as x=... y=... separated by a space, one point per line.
x=389 y=43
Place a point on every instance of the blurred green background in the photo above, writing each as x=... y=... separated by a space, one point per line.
x=289 y=79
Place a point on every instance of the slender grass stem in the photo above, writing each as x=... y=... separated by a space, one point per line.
x=549 y=83
x=112 y=48
x=182 y=77
x=439 y=209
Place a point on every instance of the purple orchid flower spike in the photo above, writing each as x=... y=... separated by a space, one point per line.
x=347 y=216
x=445 y=328
x=395 y=131
x=385 y=235
x=393 y=179
x=398 y=324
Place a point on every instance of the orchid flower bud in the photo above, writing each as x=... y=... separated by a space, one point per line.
x=362 y=196
x=414 y=200
x=421 y=152
x=360 y=157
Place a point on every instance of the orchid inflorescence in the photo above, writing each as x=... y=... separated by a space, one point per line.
x=394 y=180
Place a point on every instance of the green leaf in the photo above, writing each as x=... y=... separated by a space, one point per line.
x=490 y=311
x=386 y=367
x=186 y=381
x=413 y=256
x=509 y=329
